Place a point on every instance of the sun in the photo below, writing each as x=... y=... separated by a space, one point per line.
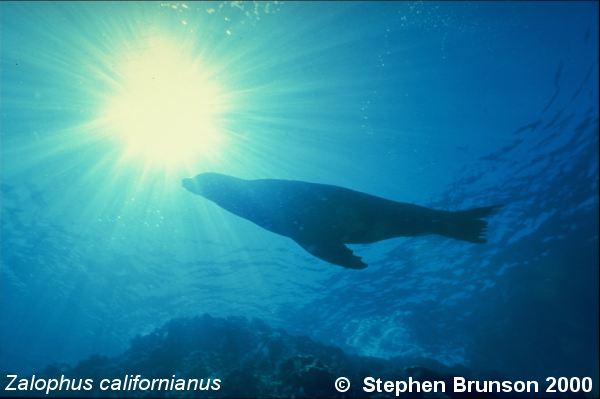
x=165 y=104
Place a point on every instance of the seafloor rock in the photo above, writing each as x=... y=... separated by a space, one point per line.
x=250 y=359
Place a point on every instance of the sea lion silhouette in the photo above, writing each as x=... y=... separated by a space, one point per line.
x=323 y=218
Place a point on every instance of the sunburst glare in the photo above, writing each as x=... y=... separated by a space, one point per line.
x=164 y=105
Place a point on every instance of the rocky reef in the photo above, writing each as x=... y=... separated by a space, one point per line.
x=250 y=359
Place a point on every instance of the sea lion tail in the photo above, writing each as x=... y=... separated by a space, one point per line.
x=468 y=225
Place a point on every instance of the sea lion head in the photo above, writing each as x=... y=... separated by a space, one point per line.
x=213 y=186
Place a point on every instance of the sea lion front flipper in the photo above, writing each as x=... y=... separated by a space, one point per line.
x=334 y=252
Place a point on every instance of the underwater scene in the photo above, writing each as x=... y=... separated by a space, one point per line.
x=299 y=199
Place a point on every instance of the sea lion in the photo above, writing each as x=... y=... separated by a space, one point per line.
x=322 y=218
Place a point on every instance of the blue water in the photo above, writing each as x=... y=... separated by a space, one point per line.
x=449 y=105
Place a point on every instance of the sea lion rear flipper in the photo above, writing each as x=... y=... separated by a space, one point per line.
x=334 y=252
x=468 y=225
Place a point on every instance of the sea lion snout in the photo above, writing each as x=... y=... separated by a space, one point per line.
x=189 y=184
x=193 y=185
x=206 y=184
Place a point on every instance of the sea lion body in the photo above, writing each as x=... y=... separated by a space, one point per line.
x=322 y=218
